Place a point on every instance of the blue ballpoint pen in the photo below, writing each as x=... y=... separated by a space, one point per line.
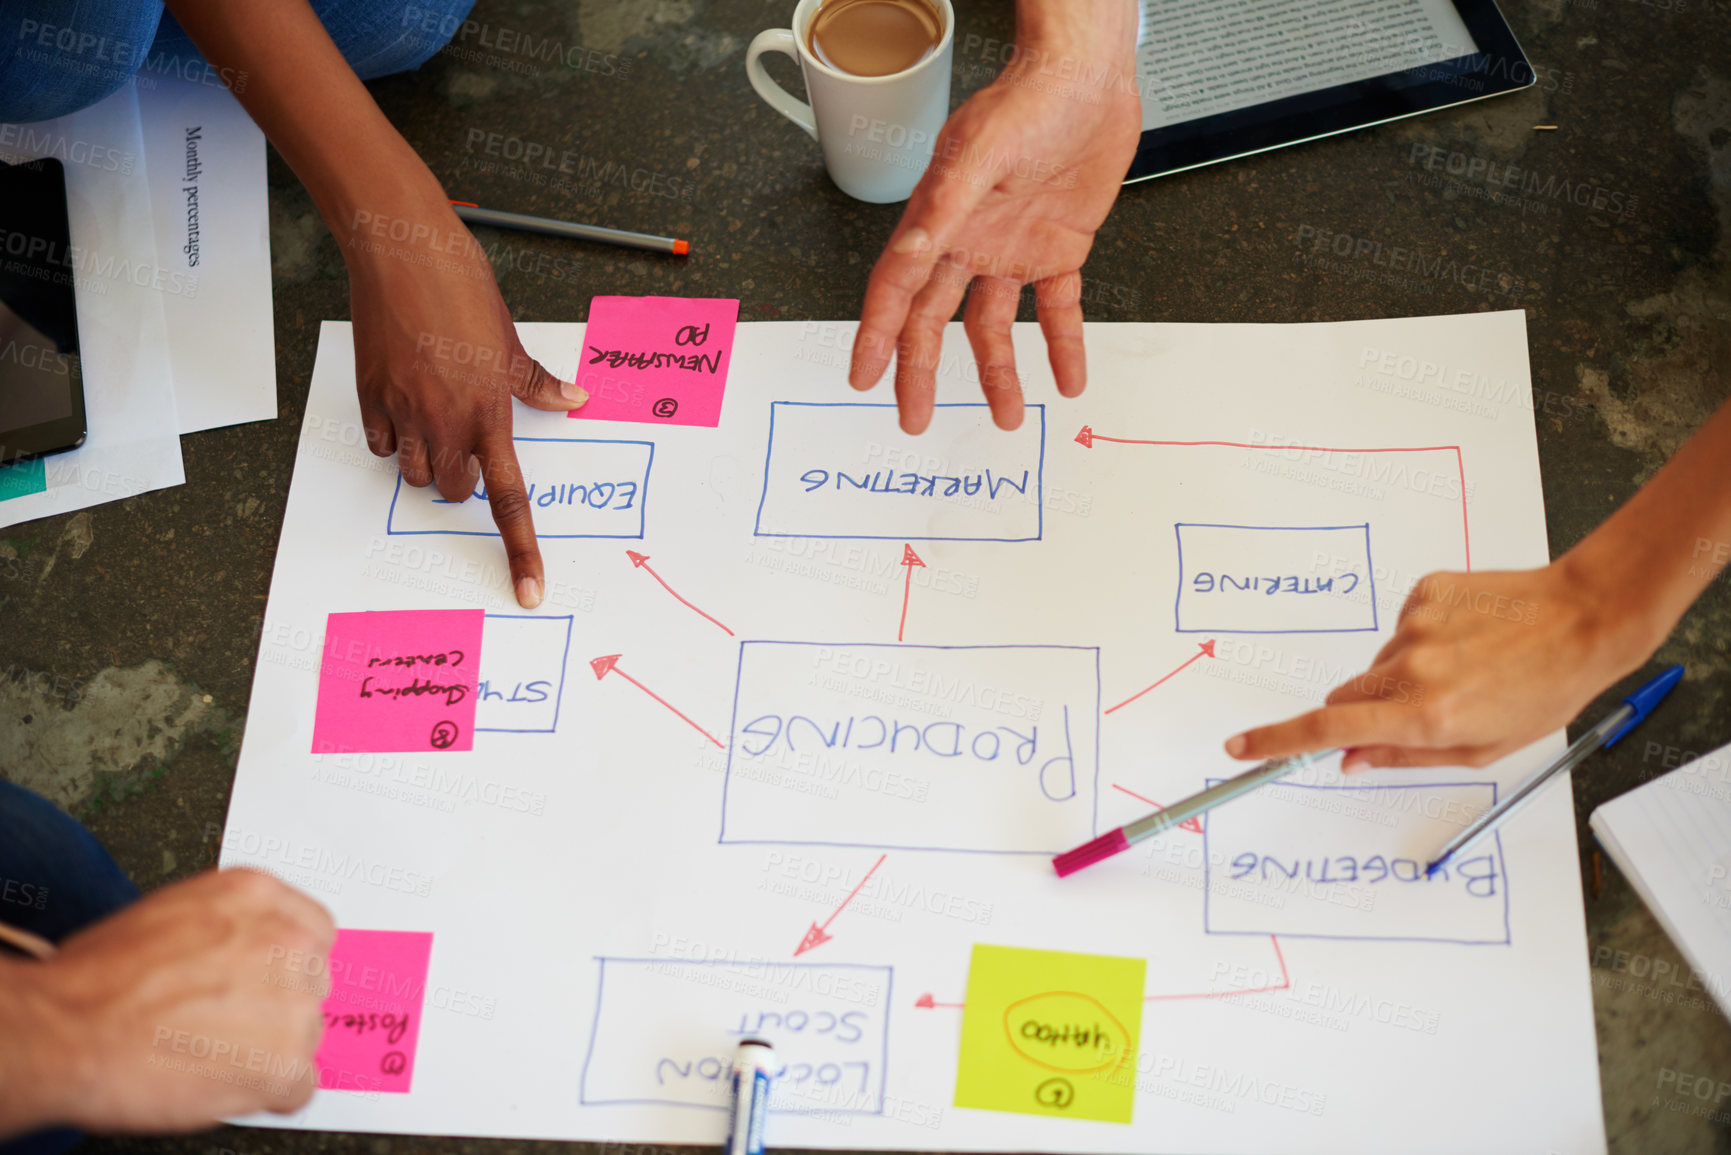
x=1610 y=728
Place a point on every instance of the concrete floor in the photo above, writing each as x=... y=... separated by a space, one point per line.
x=130 y=630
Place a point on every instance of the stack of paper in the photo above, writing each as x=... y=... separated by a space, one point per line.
x=1672 y=839
x=166 y=200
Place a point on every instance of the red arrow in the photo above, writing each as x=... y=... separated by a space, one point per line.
x=1086 y=438
x=1285 y=983
x=815 y=936
x=640 y=560
x=928 y=1003
x=910 y=559
x=1194 y=825
x=610 y=664
x=1202 y=648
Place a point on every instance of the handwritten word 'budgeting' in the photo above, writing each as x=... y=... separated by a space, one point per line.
x=941 y=739
x=1479 y=874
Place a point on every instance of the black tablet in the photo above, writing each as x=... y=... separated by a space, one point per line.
x=1226 y=78
x=41 y=386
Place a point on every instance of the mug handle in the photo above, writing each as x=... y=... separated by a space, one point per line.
x=778 y=40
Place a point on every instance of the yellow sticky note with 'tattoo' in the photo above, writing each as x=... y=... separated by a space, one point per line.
x=1048 y=1032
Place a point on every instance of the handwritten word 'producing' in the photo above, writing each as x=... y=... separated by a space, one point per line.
x=920 y=484
x=1057 y=775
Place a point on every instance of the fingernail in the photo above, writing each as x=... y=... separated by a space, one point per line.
x=915 y=240
x=1352 y=762
x=528 y=592
x=573 y=392
x=1235 y=745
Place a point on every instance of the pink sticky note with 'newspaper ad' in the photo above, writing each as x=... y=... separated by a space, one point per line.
x=373 y=1013
x=396 y=681
x=661 y=360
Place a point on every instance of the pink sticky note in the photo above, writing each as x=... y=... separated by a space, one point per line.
x=662 y=360
x=398 y=680
x=373 y=1013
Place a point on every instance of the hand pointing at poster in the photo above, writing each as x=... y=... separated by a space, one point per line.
x=438 y=362
x=1482 y=664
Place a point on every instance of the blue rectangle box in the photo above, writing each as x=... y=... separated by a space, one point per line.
x=577 y=487
x=846 y=470
x=522 y=679
x=1348 y=863
x=1274 y=579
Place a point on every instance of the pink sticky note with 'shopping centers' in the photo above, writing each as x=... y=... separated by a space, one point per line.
x=395 y=681
x=660 y=360
x=373 y=1013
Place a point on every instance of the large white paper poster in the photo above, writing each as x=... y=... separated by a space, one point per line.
x=802 y=720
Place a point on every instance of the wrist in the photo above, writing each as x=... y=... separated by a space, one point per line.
x=1095 y=32
x=39 y=1076
x=1618 y=613
x=395 y=203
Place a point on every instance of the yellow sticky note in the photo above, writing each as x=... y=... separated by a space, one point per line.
x=1048 y=1032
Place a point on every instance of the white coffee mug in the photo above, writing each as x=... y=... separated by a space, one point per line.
x=876 y=131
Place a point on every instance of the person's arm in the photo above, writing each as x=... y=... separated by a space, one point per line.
x=437 y=359
x=1021 y=177
x=1482 y=664
x=198 y=1001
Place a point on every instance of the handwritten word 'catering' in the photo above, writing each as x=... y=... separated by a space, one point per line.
x=1207 y=583
x=1479 y=874
x=917 y=484
x=594 y=494
x=1057 y=775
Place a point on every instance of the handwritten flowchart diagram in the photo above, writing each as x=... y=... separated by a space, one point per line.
x=813 y=702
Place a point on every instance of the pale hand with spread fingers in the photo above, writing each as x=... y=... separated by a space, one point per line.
x=1021 y=177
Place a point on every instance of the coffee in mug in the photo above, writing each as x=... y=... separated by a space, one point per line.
x=874 y=37
x=878 y=74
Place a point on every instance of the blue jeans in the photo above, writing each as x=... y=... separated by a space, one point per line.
x=55 y=879
x=58 y=56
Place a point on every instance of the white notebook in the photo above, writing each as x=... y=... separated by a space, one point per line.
x=1672 y=839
